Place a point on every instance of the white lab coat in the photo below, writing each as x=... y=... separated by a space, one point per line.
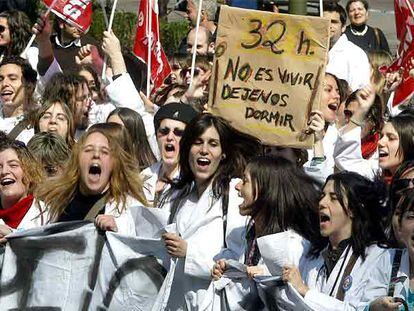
x=318 y=299
x=321 y=171
x=36 y=216
x=200 y=223
x=150 y=177
x=380 y=277
x=349 y=62
x=348 y=155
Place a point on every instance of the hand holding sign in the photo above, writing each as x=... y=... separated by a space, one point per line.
x=266 y=76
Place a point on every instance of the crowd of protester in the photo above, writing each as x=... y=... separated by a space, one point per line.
x=74 y=147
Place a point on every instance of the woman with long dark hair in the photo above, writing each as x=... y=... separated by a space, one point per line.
x=203 y=207
x=334 y=274
x=15 y=33
x=391 y=280
x=278 y=196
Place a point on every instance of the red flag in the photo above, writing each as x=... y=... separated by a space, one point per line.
x=404 y=21
x=160 y=68
x=75 y=12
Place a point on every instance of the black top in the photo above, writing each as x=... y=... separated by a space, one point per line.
x=331 y=256
x=369 y=41
x=79 y=207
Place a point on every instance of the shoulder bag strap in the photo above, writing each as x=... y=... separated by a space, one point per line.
x=96 y=208
x=18 y=128
x=395 y=267
x=341 y=290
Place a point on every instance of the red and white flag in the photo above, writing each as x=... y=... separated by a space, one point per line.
x=160 y=68
x=404 y=21
x=75 y=12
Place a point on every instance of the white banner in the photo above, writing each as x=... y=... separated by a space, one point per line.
x=72 y=266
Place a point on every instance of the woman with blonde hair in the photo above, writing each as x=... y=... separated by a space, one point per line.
x=19 y=175
x=101 y=182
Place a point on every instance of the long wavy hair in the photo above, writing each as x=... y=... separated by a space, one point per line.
x=33 y=174
x=124 y=181
x=62 y=88
x=364 y=199
x=287 y=198
x=136 y=129
x=70 y=136
x=237 y=147
x=20 y=31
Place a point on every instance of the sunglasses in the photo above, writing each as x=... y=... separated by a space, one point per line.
x=402 y=184
x=163 y=131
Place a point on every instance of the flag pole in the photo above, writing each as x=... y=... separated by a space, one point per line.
x=408 y=2
x=149 y=39
x=111 y=20
x=102 y=4
x=321 y=8
x=200 y=4
x=29 y=44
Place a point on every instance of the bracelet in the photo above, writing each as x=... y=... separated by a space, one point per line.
x=355 y=122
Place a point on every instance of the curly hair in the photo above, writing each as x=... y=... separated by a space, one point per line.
x=33 y=174
x=20 y=31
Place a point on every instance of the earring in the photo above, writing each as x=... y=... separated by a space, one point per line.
x=223 y=157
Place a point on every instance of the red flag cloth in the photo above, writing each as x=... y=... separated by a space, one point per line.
x=404 y=22
x=77 y=13
x=160 y=68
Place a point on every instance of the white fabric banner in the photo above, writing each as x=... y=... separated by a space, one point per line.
x=72 y=266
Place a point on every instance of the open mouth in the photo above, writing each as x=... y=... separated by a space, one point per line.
x=382 y=154
x=203 y=162
x=333 y=107
x=169 y=148
x=95 y=169
x=6 y=95
x=7 y=181
x=324 y=218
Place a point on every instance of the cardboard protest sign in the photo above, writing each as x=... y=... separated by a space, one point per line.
x=268 y=73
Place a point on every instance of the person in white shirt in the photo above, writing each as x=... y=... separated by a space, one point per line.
x=346 y=60
x=205 y=223
x=334 y=275
x=19 y=175
x=17 y=84
x=170 y=122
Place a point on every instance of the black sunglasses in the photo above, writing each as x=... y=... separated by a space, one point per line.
x=402 y=184
x=163 y=131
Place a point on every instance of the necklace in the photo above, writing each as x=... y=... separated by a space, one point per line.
x=359 y=33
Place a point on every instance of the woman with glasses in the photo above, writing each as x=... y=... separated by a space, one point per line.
x=20 y=173
x=170 y=122
x=205 y=223
x=56 y=117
